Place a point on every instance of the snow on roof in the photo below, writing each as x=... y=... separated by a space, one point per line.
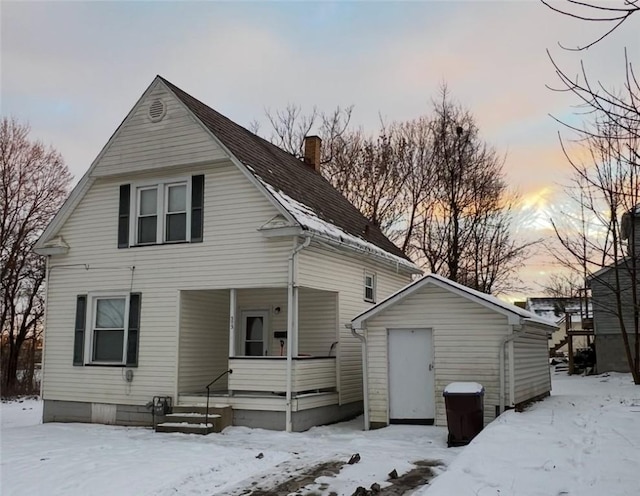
x=460 y=288
x=555 y=308
x=525 y=314
x=463 y=388
x=311 y=222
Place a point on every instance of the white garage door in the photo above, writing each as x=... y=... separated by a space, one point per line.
x=411 y=377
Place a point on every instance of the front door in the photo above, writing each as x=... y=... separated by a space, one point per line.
x=411 y=377
x=255 y=333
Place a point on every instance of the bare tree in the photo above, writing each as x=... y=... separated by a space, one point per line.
x=563 y=285
x=431 y=184
x=606 y=189
x=33 y=184
x=604 y=243
x=370 y=171
x=290 y=126
x=465 y=230
x=609 y=14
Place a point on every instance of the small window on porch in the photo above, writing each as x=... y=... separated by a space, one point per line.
x=369 y=287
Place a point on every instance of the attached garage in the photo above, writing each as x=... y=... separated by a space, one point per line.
x=434 y=332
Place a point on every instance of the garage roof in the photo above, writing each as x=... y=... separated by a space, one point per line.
x=515 y=314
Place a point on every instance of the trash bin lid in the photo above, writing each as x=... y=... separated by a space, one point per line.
x=464 y=388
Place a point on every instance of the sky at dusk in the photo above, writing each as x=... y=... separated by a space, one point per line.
x=73 y=70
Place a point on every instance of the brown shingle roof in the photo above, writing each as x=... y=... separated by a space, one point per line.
x=286 y=173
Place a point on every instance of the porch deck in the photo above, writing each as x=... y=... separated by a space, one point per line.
x=260 y=401
x=260 y=383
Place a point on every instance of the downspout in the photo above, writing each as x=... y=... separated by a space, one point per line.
x=365 y=374
x=510 y=337
x=292 y=324
x=44 y=321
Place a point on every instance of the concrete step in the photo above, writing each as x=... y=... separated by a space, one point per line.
x=224 y=411
x=186 y=428
x=193 y=408
x=190 y=419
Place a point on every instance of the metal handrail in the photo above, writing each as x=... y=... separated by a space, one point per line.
x=206 y=413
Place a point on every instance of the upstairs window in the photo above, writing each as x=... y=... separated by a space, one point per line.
x=161 y=212
x=147 y=215
x=176 y=213
x=369 y=287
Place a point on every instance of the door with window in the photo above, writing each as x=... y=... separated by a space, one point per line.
x=255 y=333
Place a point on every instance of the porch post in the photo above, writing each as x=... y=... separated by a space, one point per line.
x=290 y=321
x=232 y=322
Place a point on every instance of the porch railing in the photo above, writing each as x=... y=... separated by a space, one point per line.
x=206 y=413
x=269 y=374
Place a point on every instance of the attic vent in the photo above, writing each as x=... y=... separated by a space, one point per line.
x=157 y=109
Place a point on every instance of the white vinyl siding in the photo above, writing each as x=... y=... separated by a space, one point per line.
x=532 y=374
x=204 y=340
x=233 y=255
x=330 y=270
x=466 y=339
x=142 y=145
x=317 y=322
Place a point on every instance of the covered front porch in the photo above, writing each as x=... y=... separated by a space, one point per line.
x=264 y=356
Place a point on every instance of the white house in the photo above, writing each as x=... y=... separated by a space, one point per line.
x=434 y=332
x=192 y=247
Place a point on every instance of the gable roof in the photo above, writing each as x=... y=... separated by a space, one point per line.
x=515 y=314
x=287 y=177
x=300 y=192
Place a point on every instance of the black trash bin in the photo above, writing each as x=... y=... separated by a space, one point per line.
x=464 y=403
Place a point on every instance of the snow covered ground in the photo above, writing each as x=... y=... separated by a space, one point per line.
x=584 y=440
x=82 y=459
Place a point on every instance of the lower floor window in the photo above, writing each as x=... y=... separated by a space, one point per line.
x=109 y=329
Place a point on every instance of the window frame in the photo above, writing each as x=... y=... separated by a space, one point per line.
x=372 y=276
x=162 y=187
x=90 y=326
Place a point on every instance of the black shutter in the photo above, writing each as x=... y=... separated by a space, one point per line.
x=134 y=329
x=123 y=216
x=197 y=208
x=78 y=337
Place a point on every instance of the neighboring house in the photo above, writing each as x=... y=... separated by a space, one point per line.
x=434 y=332
x=609 y=283
x=556 y=309
x=192 y=247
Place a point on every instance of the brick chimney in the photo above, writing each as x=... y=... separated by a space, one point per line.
x=312 y=145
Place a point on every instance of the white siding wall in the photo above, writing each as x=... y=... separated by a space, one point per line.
x=204 y=339
x=317 y=322
x=327 y=269
x=144 y=145
x=466 y=339
x=532 y=374
x=233 y=254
